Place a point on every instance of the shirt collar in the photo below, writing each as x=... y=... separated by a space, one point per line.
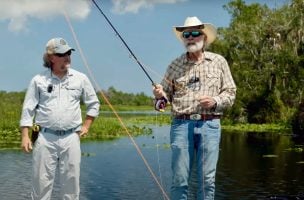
x=185 y=58
x=52 y=75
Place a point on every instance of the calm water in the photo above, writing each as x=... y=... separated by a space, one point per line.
x=251 y=166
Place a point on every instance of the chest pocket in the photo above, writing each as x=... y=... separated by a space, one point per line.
x=74 y=93
x=47 y=96
x=213 y=80
x=180 y=86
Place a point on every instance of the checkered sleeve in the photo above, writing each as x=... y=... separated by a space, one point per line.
x=170 y=74
x=227 y=94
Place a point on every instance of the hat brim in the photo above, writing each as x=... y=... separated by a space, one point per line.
x=208 y=29
x=64 y=50
x=60 y=51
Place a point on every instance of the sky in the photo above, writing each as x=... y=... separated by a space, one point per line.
x=145 y=25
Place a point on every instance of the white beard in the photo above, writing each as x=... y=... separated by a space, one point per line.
x=194 y=47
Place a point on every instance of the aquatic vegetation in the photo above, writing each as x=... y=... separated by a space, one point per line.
x=278 y=128
x=295 y=149
x=270 y=156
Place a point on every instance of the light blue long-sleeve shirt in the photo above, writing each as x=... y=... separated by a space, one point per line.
x=55 y=103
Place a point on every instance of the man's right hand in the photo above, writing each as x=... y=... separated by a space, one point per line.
x=158 y=91
x=26 y=143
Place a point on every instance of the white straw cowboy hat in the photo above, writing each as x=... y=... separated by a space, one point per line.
x=208 y=29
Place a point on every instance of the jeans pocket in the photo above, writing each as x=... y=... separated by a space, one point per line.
x=213 y=124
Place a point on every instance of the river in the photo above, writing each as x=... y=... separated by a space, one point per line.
x=251 y=166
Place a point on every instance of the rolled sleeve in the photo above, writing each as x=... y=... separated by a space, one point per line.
x=29 y=105
x=90 y=99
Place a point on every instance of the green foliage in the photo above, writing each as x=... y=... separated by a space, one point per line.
x=111 y=128
x=121 y=98
x=10 y=110
x=102 y=128
x=297 y=121
x=261 y=43
x=269 y=128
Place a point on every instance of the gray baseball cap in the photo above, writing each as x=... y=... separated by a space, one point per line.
x=57 y=45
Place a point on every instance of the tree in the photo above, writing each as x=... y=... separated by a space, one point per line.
x=261 y=44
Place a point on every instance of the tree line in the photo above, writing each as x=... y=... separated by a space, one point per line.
x=265 y=50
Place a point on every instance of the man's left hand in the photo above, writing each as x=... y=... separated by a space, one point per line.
x=206 y=102
x=84 y=131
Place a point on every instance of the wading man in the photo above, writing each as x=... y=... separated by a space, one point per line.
x=199 y=86
x=53 y=102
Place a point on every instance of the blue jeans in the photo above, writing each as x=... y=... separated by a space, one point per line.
x=191 y=138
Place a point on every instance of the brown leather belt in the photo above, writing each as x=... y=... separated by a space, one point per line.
x=202 y=117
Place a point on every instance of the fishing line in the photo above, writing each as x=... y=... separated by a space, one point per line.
x=112 y=108
x=160 y=104
x=157 y=154
x=123 y=41
x=143 y=67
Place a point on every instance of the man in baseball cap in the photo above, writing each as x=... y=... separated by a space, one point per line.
x=52 y=106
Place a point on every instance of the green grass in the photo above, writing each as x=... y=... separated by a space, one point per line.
x=108 y=127
x=276 y=128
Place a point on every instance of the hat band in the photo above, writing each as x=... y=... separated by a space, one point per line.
x=181 y=29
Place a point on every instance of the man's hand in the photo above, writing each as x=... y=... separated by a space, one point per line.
x=84 y=131
x=158 y=91
x=26 y=145
x=206 y=102
x=86 y=126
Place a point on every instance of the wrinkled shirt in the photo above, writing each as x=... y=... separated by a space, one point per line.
x=185 y=81
x=55 y=103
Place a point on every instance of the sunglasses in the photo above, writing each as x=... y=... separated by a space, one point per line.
x=63 y=54
x=186 y=34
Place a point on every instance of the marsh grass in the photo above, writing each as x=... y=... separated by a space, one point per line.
x=108 y=127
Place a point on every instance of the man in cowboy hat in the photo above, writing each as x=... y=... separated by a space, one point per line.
x=199 y=86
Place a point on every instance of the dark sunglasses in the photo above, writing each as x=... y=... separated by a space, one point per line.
x=186 y=34
x=63 y=54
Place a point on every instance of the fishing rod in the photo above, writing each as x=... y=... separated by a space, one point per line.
x=160 y=104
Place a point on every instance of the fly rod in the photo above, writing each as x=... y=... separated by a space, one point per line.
x=126 y=45
x=160 y=104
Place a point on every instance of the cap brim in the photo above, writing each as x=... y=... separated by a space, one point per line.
x=64 y=50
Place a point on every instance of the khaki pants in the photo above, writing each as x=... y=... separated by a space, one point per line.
x=49 y=151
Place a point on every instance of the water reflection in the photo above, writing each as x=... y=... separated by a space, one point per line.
x=251 y=166
x=258 y=165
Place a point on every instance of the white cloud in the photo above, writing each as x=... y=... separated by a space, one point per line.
x=124 y=6
x=17 y=12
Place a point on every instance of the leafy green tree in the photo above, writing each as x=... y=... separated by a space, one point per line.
x=260 y=44
x=120 y=98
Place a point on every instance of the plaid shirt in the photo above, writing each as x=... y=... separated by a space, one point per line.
x=185 y=81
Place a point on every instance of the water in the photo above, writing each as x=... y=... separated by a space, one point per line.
x=251 y=166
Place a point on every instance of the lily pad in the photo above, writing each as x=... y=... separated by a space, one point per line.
x=270 y=156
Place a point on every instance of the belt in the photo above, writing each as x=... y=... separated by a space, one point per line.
x=202 y=117
x=58 y=132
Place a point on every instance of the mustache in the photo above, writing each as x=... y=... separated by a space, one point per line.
x=191 y=43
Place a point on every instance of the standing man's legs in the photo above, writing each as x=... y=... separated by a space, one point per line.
x=181 y=136
x=69 y=166
x=207 y=157
x=44 y=166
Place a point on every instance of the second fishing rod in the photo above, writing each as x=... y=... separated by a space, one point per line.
x=160 y=104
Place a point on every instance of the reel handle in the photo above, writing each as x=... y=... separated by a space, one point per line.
x=160 y=104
